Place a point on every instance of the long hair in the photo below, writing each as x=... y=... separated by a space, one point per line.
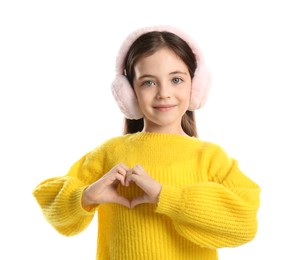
x=146 y=45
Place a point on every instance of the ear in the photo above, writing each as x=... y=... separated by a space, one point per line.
x=126 y=98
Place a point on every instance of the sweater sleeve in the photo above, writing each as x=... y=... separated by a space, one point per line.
x=221 y=212
x=60 y=197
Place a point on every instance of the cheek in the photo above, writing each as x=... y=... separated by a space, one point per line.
x=142 y=95
x=185 y=97
x=141 y=98
x=185 y=94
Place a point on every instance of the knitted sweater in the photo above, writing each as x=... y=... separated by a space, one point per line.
x=205 y=203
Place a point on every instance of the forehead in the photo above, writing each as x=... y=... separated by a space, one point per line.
x=163 y=58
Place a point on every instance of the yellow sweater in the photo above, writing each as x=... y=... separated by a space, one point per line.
x=205 y=203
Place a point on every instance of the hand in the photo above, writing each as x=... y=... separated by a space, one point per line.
x=141 y=178
x=105 y=189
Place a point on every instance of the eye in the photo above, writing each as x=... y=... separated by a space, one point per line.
x=148 y=83
x=177 y=81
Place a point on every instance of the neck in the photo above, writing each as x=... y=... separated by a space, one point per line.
x=164 y=130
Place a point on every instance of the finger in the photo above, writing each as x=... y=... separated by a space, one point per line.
x=138 y=169
x=128 y=177
x=120 y=171
x=133 y=177
x=139 y=180
x=122 y=174
x=122 y=167
x=120 y=178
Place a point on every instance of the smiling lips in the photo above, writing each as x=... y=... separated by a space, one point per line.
x=164 y=108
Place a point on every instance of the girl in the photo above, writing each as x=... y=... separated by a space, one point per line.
x=158 y=190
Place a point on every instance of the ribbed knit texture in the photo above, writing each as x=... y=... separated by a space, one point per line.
x=205 y=203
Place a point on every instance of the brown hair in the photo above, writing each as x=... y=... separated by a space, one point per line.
x=146 y=45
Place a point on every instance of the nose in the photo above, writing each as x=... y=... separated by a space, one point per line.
x=163 y=91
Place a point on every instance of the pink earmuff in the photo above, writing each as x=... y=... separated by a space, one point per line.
x=123 y=92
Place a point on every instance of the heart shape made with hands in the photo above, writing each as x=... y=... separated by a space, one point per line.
x=139 y=187
x=135 y=187
x=125 y=186
x=130 y=194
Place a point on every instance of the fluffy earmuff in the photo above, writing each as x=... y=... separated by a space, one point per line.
x=124 y=93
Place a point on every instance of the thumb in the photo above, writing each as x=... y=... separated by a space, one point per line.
x=123 y=201
x=138 y=200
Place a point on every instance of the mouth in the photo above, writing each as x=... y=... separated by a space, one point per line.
x=164 y=107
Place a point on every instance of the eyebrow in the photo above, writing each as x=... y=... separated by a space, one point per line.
x=171 y=73
x=178 y=72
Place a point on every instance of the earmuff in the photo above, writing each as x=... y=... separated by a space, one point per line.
x=124 y=93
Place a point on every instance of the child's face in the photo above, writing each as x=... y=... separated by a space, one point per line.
x=162 y=85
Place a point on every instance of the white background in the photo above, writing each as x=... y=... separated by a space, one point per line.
x=56 y=67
